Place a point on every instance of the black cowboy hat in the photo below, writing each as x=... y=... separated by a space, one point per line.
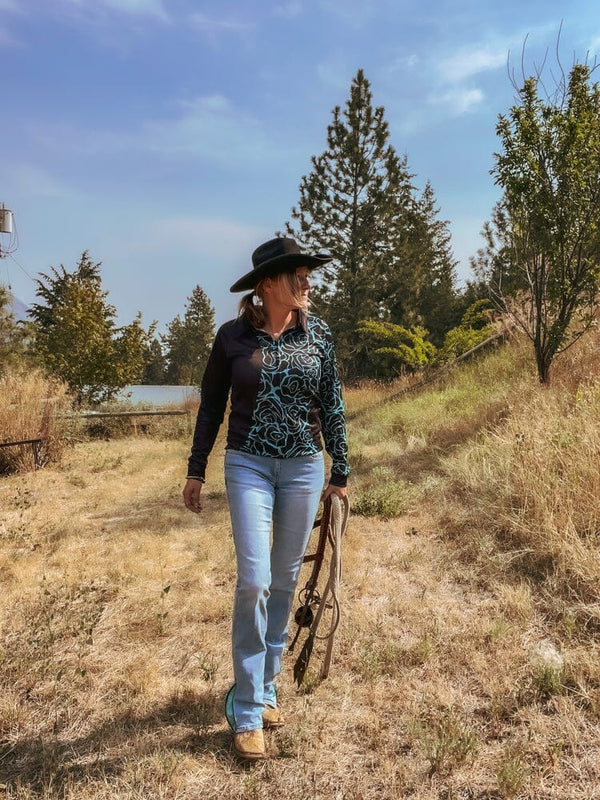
x=275 y=256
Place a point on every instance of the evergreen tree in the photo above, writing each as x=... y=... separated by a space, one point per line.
x=188 y=341
x=437 y=299
x=76 y=337
x=155 y=366
x=391 y=254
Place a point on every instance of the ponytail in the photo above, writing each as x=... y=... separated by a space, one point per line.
x=251 y=311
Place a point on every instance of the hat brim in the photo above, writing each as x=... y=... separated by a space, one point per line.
x=276 y=265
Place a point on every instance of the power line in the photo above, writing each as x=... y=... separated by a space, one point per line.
x=21 y=267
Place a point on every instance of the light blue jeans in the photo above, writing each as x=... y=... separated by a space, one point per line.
x=273 y=503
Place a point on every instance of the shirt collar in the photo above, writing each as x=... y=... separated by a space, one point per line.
x=302 y=322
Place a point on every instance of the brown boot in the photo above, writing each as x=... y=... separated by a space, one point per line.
x=272 y=717
x=250 y=744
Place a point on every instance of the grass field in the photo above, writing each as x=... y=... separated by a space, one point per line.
x=467 y=663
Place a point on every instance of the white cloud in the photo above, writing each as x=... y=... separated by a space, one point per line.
x=460 y=100
x=469 y=62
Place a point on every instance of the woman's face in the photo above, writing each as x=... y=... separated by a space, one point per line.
x=279 y=291
x=302 y=275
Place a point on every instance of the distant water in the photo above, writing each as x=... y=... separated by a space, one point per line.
x=159 y=395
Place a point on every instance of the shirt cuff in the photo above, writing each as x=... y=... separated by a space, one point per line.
x=338 y=480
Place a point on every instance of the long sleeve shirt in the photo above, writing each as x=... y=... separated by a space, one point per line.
x=285 y=395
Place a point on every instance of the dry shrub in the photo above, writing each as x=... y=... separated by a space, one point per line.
x=32 y=406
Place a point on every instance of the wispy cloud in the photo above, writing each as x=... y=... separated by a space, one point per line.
x=153 y=8
x=459 y=100
x=7 y=39
x=353 y=13
x=469 y=62
x=291 y=8
x=28 y=180
x=208 y=127
x=213 y=26
x=220 y=239
x=594 y=46
x=83 y=9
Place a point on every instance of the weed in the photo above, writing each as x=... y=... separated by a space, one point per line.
x=547 y=681
x=512 y=771
x=163 y=612
x=446 y=741
x=208 y=665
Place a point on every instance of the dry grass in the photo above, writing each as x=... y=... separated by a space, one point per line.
x=31 y=406
x=451 y=680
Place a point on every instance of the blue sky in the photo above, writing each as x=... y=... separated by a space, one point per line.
x=169 y=137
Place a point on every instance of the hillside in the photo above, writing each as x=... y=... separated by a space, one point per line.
x=466 y=665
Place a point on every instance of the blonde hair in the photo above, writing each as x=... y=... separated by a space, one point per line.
x=251 y=305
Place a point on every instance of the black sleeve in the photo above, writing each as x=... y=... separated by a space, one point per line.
x=333 y=420
x=213 y=402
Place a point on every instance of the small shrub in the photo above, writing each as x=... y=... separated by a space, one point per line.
x=512 y=771
x=383 y=496
x=547 y=681
x=447 y=741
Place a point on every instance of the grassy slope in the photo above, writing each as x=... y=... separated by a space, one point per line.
x=466 y=665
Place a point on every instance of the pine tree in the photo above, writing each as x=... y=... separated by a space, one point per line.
x=155 y=366
x=188 y=341
x=437 y=299
x=76 y=337
x=359 y=204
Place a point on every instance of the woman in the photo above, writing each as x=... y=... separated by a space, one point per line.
x=280 y=367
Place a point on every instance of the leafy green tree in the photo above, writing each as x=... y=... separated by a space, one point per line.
x=131 y=344
x=76 y=337
x=359 y=204
x=392 y=349
x=188 y=341
x=475 y=327
x=543 y=266
x=155 y=364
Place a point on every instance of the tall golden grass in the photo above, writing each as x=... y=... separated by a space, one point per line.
x=32 y=406
x=532 y=486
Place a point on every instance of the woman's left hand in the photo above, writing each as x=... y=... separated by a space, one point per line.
x=331 y=489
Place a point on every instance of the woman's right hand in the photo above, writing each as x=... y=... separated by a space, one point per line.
x=191 y=495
